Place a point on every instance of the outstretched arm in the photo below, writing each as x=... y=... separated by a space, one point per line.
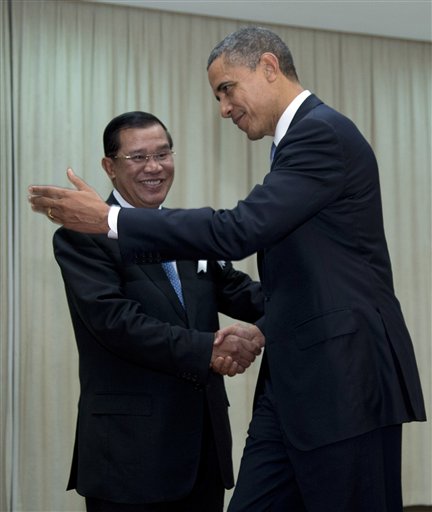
x=297 y=188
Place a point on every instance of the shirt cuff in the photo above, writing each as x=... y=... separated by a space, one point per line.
x=112 y=221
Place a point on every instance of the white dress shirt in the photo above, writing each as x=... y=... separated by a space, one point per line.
x=288 y=115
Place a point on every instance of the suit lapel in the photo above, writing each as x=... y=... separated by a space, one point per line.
x=111 y=199
x=309 y=103
x=157 y=275
x=190 y=283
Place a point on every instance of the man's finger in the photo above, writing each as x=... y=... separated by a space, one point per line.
x=38 y=192
x=225 y=366
x=233 y=370
x=219 y=337
x=76 y=181
x=39 y=208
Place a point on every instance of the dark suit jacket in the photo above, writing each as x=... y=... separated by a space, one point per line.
x=339 y=354
x=144 y=368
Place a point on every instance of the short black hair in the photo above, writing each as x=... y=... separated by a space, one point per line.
x=136 y=119
x=246 y=45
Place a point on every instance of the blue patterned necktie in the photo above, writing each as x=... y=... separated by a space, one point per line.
x=171 y=272
x=272 y=151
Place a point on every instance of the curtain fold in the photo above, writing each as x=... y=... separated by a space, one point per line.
x=7 y=295
x=67 y=68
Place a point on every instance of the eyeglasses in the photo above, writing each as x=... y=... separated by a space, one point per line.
x=161 y=158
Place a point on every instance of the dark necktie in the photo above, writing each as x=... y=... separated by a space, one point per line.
x=272 y=151
x=171 y=272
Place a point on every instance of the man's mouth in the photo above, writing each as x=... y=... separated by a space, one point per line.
x=236 y=119
x=152 y=183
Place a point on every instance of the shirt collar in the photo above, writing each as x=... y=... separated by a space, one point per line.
x=288 y=115
x=122 y=201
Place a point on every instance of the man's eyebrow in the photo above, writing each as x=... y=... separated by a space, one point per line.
x=160 y=147
x=222 y=85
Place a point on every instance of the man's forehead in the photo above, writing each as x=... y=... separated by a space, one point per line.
x=220 y=71
x=154 y=133
x=227 y=72
x=221 y=65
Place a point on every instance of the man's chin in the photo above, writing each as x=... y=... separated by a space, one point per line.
x=251 y=135
x=254 y=136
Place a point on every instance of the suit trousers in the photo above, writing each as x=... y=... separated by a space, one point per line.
x=361 y=474
x=206 y=495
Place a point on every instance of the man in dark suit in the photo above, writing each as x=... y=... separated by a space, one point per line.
x=153 y=431
x=339 y=375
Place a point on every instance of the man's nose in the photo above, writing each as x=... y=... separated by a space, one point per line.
x=225 y=108
x=152 y=164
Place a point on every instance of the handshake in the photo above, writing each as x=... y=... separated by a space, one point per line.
x=235 y=349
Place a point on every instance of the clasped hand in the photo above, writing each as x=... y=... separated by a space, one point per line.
x=235 y=348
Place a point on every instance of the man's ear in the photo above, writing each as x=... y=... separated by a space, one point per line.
x=270 y=65
x=109 y=167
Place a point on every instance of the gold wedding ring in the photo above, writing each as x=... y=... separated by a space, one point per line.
x=50 y=215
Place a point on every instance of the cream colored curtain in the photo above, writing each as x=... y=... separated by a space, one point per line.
x=66 y=69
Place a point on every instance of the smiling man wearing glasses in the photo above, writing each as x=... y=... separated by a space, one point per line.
x=141 y=179
x=153 y=432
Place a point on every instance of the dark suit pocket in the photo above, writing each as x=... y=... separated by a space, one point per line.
x=330 y=325
x=126 y=424
x=122 y=404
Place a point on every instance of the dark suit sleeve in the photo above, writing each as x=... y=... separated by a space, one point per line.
x=307 y=175
x=238 y=296
x=94 y=278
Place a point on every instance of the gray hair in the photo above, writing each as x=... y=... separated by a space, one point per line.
x=246 y=45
